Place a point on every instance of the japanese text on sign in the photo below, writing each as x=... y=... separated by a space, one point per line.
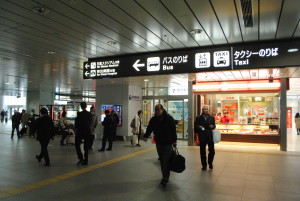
x=267 y=52
x=175 y=59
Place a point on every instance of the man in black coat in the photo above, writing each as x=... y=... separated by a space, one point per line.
x=15 y=120
x=45 y=131
x=107 y=131
x=164 y=129
x=83 y=132
x=204 y=124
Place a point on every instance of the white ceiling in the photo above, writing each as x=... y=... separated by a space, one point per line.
x=75 y=30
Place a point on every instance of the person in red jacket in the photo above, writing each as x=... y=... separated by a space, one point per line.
x=225 y=119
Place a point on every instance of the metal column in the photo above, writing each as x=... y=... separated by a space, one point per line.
x=283 y=134
x=190 y=115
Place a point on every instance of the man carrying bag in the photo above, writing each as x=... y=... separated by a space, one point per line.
x=177 y=161
x=164 y=128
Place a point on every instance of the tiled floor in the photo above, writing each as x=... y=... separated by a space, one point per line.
x=132 y=173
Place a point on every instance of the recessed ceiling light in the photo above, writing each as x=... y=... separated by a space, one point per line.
x=51 y=52
x=196 y=31
x=293 y=50
x=146 y=80
x=73 y=1
x=7 y=83
x=41 y=10
x=111 y=42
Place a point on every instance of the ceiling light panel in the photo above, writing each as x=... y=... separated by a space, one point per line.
x=237 y=75
x=246 y=74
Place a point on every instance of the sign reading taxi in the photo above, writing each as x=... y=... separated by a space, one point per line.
x=261 y=55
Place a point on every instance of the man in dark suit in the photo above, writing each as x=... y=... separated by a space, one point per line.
x=204 y=124
x=107 y=132
x=83 y=132
x=164 y=129
x=45 y=131
x=15 y=120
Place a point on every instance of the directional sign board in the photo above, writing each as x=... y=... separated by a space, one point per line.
x=262 y=55
x=188 y=61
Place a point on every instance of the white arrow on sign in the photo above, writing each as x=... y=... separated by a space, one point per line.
x=136 y=65
x=87 y=66
x=86 y=73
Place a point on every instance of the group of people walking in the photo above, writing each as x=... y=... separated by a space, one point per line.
x=4 y=116
x=162 y=125
x=85 y=125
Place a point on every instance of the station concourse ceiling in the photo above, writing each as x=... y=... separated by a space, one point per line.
x=44 y=43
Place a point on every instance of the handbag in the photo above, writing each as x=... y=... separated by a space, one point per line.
x=197 y=139
x=216 y=136
x=177 y=161
x=135 y=139
x=153 y=140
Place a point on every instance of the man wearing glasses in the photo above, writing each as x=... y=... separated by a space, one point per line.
x=204 y=124
x=164 y=128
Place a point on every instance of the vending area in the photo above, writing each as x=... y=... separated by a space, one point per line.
x=245 y=111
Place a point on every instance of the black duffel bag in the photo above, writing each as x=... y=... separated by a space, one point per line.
x=177 y=161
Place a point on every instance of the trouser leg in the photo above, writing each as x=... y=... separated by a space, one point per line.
x=139 y=137
x=63 y=136
x=92 y=138
x=18 y=132
x=86 y=146
x=78 y=140
x=165 y=153
x=12 y=132
x=44 y=150
x=110 y=140
x=211 y=152
x=104 y=139
x=203 y=153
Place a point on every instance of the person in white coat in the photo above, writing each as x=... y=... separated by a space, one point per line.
x=137 y=130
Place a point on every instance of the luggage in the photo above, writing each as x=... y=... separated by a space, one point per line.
x=197 y=139
x=70 y=139
x=135 y=139
x=216 y=136
x=23 y=131
x=177 y=161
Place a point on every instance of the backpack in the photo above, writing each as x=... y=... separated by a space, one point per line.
x=132 y=124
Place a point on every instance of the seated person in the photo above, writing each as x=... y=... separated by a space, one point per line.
x=225 y=119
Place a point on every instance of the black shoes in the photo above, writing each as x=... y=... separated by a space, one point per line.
x=80 y=162
x=101 y=149
x=163 y=183
x=138 y=145
x=108 y=149
x=38 y=158
x=84 y=162
x=210 y=167
x=47 y=164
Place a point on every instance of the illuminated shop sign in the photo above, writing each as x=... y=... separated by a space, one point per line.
x=234 y=86
x=262 y=55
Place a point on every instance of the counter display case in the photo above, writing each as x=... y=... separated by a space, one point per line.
x=249 y=133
